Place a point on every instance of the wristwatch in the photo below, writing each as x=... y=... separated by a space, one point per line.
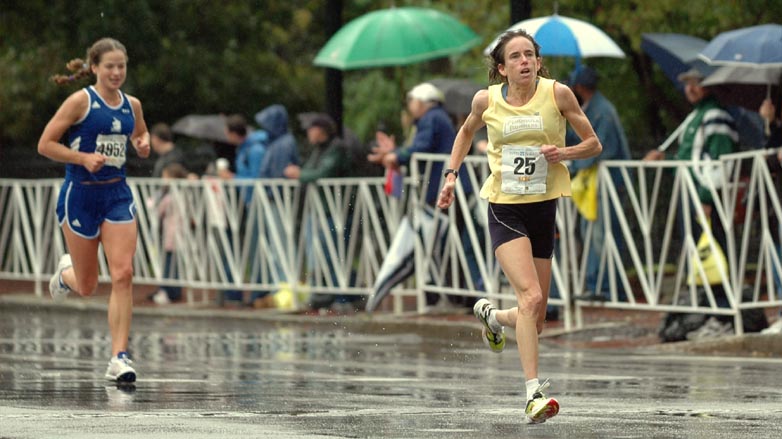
x=451 y=171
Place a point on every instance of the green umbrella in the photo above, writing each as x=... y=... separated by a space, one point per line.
x=395 y=37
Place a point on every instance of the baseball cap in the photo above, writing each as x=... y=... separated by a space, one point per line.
x=426 y=92
x=693 y=73
x=584 y=75
x=323 y=120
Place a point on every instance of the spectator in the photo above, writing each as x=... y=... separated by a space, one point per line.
x=608 y=128
x=171 y=218
x=769 y=113
x=329 y=158
x=250 y=152
x=281 y=150
x=162 y=142
x=434 y=133
x=709 y=132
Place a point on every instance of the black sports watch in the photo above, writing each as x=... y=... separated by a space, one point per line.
x=451 y=171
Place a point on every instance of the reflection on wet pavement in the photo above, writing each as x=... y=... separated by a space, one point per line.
x=200 y=376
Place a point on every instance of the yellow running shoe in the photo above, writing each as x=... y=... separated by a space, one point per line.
x=493 y=337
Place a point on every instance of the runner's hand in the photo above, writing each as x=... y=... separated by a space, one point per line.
x=142 y=146
x=446 y=195
x=552 y=153
x=93 y=162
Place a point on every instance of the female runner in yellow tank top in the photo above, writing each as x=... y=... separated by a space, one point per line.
x=525 y=114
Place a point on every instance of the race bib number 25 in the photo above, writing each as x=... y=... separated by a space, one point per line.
x=113 y=147
x=524 y=170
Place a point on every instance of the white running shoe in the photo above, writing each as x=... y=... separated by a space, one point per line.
x=540 y=408
x=120 y=370
x=775 y=328
x=161 y=298
x=57 y=288
x=494 y=338
x=711 y=329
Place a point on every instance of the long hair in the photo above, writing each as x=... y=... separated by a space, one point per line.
x=497 y=55
x=81 y=69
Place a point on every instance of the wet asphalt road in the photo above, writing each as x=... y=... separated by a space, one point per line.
x=228 y=378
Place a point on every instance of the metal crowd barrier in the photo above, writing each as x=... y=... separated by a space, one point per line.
x=333 y=236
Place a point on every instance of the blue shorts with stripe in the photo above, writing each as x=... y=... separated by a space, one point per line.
x=86 y=206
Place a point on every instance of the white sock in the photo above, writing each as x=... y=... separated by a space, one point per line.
x=532 y=386
x=492 y=321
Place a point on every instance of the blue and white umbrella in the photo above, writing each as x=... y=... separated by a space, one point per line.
x=756 y=46
x=565 y=36
x=750 y=63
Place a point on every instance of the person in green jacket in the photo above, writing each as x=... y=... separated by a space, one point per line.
x=329 y=158
x=708 y=132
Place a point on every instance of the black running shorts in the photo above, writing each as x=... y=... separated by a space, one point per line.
x=536 y=221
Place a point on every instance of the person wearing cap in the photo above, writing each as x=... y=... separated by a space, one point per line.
x=329 y=159
x=329 y=155
x=434 y=134
x=608 y=128
x=708 y=132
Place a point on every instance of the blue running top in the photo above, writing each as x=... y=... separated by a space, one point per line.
x=105 y=130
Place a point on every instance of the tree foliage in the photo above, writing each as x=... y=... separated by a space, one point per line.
x=201 y=56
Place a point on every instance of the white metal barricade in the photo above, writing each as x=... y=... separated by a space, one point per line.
x=333 y=237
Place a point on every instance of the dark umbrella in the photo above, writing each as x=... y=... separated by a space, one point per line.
x=205 y=127
x=674 y=53
x=458 y=94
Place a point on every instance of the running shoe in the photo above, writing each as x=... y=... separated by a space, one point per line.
x=775 y=328
x=713 y=328
x=540 y=408
x=57 y=288
x=493 y=337
x=120 y=370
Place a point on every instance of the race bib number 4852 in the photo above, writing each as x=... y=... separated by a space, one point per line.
x=524 y=170
x=113 y=147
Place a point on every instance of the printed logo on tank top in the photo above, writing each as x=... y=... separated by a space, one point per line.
x=96 y=105
x=116 y=126
x=76 y=144
x=516 y=124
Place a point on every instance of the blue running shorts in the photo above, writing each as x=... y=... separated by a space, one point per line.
x=86 y=207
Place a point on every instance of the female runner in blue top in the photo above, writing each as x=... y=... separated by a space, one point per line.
x=95 y=204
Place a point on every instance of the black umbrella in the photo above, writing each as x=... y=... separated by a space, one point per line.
x=206 y=127
x=674 y=53
x=458 y=94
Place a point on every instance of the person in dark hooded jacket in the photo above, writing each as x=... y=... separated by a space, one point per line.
x=282 y=149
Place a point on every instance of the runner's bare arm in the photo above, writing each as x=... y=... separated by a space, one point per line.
x=568 y=105
x=462 y=144
x=140 y=136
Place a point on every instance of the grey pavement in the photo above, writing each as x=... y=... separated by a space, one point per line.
x=211 y=373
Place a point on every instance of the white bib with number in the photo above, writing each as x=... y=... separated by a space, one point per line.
x=524 y=170
x=112 y=146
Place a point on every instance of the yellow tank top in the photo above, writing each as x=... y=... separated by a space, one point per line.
x=537 y=123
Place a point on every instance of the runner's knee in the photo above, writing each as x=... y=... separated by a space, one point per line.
x=122 y=275
x=87 y=286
